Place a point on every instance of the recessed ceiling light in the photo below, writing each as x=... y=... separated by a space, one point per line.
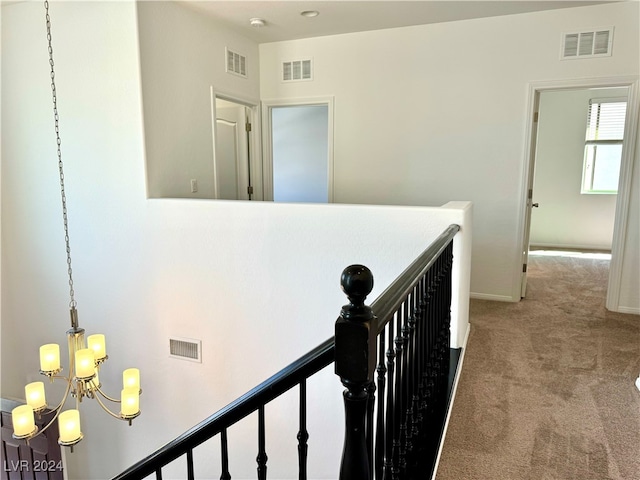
x=257 y=22
x=310 y=13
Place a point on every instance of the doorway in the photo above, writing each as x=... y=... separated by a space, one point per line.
x=619 y=205
x=570 y=216
x=298 y=151
x=234 y=165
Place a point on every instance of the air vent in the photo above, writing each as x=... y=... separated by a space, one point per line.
x=297 y=70
x=595 y=43
x=186 y=349
x=236 y=63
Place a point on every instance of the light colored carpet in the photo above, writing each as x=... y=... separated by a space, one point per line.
x=547 y=385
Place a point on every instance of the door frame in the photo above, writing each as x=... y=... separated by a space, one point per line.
x=626 y=168
x=267 y=136
x=255 y=150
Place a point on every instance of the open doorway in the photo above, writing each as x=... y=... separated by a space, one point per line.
x=573 y=217
x=298 y=151
x=577 y=192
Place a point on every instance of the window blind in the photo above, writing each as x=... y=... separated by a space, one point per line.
x=606 y=120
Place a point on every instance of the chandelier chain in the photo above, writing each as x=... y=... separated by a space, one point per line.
x=56 y=118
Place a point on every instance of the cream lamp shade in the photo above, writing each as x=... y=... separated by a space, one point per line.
x=23 y=421
x=131 y=378
x=97 y=343
x=85 y=363
x=50 y=357
x=130 y=401
x=34 y=393
x=69 y=426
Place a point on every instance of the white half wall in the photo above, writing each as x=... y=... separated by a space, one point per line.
x=258 y=283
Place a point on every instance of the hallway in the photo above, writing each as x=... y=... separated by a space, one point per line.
x=547 y=386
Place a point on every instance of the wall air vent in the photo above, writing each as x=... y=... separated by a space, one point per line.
x=236 y=63
x=594 y=43
x=297 y=70
x=185 y=349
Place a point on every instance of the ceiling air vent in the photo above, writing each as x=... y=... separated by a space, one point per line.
x=595 y=43
x=185 y=349
x=236 y=63
x=296 y=71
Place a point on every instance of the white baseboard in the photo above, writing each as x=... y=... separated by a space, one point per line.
x=494 y=298
x=631 y=310
x=453 y=397
x=569 y=246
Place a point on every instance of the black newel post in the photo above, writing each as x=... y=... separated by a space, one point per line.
x=355 y=350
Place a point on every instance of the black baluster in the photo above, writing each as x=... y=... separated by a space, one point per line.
x=224 y=455
x=399 y=403
x=159 y=474
x=380 y=422
x=422 y=341
x=303 y=435
x=355 y=362
x=433 y=305
x=190 y=474
x=390 y=453
x=262 y=453
x=415 y=363
x=406 y=380
x=369 y=424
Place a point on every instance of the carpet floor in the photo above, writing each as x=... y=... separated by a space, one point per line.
x=547 y=384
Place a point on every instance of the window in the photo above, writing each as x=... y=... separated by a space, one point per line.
x=603 y=145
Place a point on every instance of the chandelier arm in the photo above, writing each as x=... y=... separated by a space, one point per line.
x=106 y=409
x=114 y=400
x=64 y=398
x=57 y=409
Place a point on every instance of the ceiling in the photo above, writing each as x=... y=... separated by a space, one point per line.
x=284 y=22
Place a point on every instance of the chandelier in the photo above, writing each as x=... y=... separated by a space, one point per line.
x=85 y=359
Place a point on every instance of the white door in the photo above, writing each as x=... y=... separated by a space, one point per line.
x=231 y=161
x=530 y=204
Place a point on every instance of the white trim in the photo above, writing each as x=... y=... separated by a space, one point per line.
x=624 y=198
x=454 y=390
x=267 y=106
x=494 y=298
x=629 y=310
x=570 y=246
x=626 y=166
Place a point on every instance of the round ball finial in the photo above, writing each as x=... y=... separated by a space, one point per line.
x=357 y=283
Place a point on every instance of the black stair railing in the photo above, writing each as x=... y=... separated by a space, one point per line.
x=218 y=423
x=403 y=337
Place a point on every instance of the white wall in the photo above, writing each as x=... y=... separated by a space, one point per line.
x=258 y=283
x=429 y=113
x=182 y=55
x=566 y=218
